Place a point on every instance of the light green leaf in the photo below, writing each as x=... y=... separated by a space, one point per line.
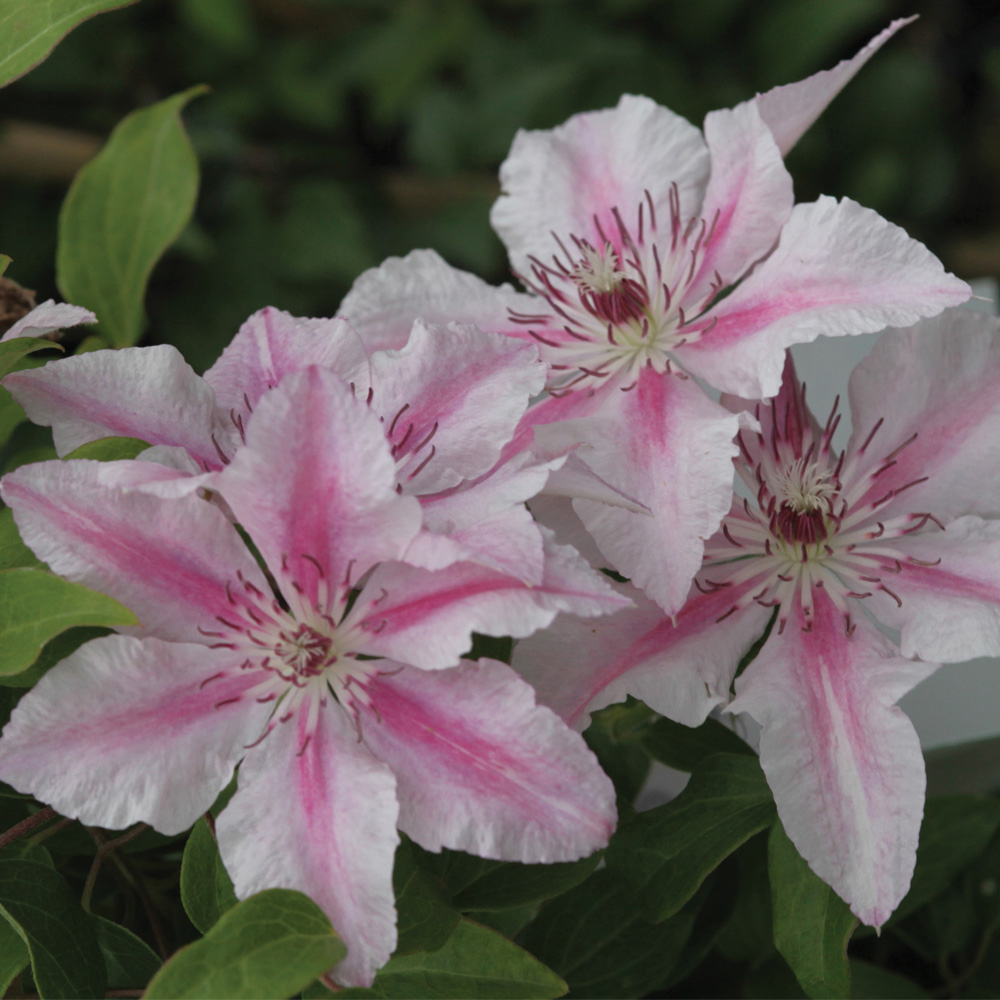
x=475 y=962
x=123 y=210
x=109 y=449
x=14 y=956
x=4 y=263
x=55 y=651
x=31 y=29
x=812 y=924
x=65 y=957
x=13 y=552
x=11 y=351
x=269 y=946
x=36 y=605
x=206 y=888
x=130 y=962
x=667 y=852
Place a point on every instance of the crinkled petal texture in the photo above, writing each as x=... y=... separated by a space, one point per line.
x=839 y=269
x=323 y=821
x=843 y=762
x=669 y=446
x=680 y=670
x=150 y=393
x=460 y=389
x=482 y=768
x=315 y=486
x=567 y=180
x=427 y=618
x=168 y=561
x=748 y=200
x=940 y=382
x=950 y=593
x=273 y=343
x=384 y=301
x=789 y=110
x=47 y=317
x=127 y=730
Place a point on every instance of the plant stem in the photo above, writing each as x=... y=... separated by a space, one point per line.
x=26 y=825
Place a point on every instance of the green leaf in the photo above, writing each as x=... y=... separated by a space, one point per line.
x=36 y=605
x=54 y=651
x=474 y=962
x=667 y=852
x=595 y=937
x=425 y=918
x=615 y=736
x=4 y=263
x=871 y=982
x=268 y=946
x=62 y=944
x=13 y=552
x=812 y=924
x=206 y=888
x=747 y=935
x=109 y=449
x=683 y=748
x=11 y=351
x=13 y=956
x=130 y=962
x=956 y=829
x=479 y=884
x=30 y=30
x=123 y=210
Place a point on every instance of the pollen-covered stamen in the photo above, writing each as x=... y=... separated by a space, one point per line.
x=304 y=652
x=625 y=300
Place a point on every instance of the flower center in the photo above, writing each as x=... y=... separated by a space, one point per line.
x=305 y=652
x=628 y=302
x=806 y=492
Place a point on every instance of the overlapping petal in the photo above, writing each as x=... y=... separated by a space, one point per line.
x=127 y=730
x=168 y=561
x=843 y=762
x=481 y=768
x=315 y=487
x=838 y=270
x=47 y=318
x=319 y=817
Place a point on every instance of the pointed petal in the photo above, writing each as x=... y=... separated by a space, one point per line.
x=47 y=317
x=482 y=769
x=322 y=821
x=839 y=269
x=168 y=561
x=384 y=302
x=670 y=447
x=560 y=179
x=939 y=381
x=748 y=200
x=459 y=389
x=315 y=486
x=150 y=393
x=843 y=762
x=272 y=343
x=950 y=608
x=789 y=110
x=427 y=618
x=127 y=730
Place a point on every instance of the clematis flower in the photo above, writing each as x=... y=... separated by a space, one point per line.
x=900 y=527
x=47 y=318
x=652 y=252
x=341 y=694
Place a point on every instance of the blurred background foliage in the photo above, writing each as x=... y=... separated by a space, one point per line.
x=337 y=133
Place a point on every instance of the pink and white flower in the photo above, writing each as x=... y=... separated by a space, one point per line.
x=341 y=694
x=627 y=226
x=901 y=527
x=47 y=318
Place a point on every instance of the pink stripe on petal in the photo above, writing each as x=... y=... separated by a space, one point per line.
x=168 y=561
x=315 y=486
x=150 y=393
x=272 y=343
x=843 y=762
x=839 y=269
x=319 y=817
x=482 y=769
x=127 y=730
